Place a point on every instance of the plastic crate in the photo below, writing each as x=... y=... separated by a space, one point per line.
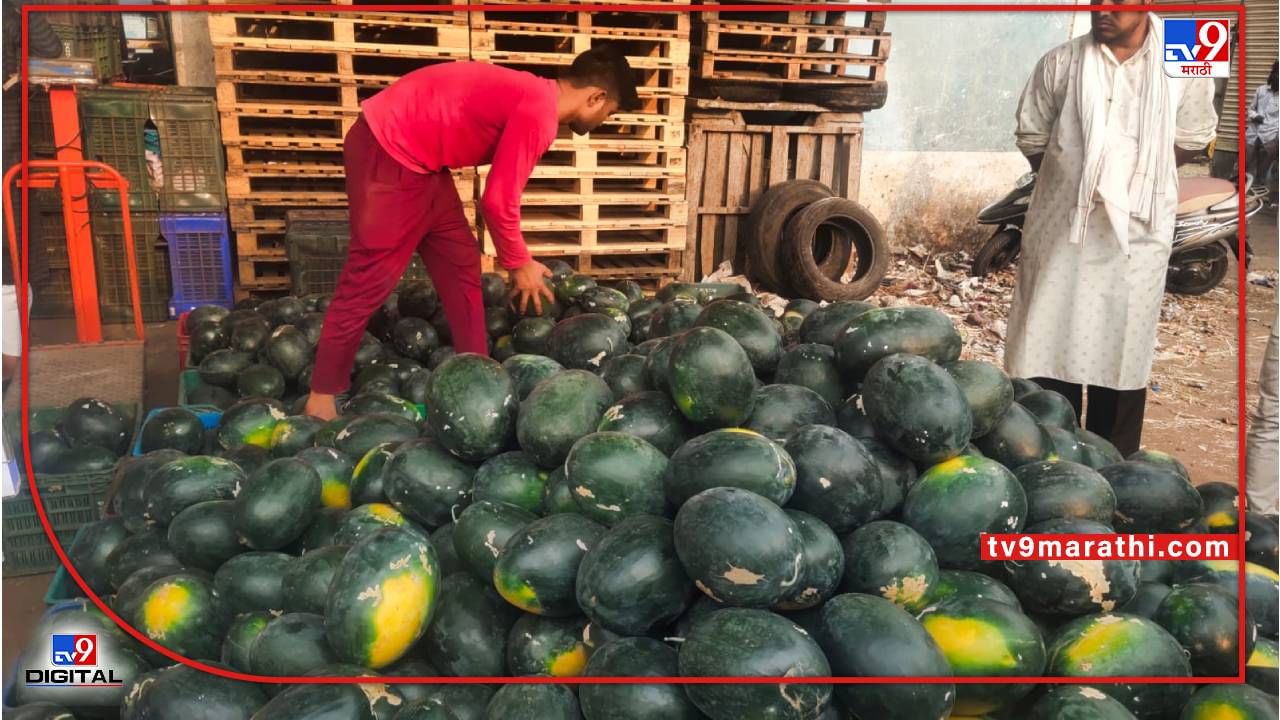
x=154 y=283
x=209 y=417
x=39 y=125
x=112 y=123
x=199 y=260
x=99 y=43
x=184 y=341
x=188 y=382
x=70 y=501
x=316 y=244
x=62 y=587
x=51 y=298
x=191 y=152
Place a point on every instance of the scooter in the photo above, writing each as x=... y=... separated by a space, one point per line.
x=1204 y=231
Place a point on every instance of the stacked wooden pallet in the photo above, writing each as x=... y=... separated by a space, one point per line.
x=289 y=87
x=611 y=203
x=834 y=58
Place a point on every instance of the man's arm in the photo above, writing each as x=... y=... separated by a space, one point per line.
x=523 y=141
x=1037 y=111
x=1197 y=121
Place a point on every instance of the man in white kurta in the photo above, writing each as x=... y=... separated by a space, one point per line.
x=1099 y=121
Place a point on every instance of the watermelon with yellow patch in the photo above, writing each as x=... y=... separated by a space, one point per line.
x=382 y=597
x=988 y=638
x=1263 y=667
x=540 y=645
x=1205 y=620
x=955 y=501
x=294 y=434
x=537 y=569
x=367 y=475
x=250 y=422
x=1069 y=701
x=1119 y=645
x=1261 y=591
x=1221 y=507
x=185 y=614
x=892 y=561
x=361 y=522
x=334 y=470
x=1229 y=702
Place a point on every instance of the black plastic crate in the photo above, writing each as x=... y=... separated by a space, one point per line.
x=316 y=244
x=113 y=122
x=98 y=43
x=190 y=152
x=40 y=125
x=154 y=284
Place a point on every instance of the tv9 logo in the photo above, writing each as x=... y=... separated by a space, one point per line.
x=73 y=650
x=1196 y=47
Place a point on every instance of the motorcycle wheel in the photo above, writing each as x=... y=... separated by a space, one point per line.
x=997 y=253
x=1198 y=271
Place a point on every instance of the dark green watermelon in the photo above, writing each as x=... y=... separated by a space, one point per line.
x=892 y=561
x=468 y=635
x=826 y=323
x=244 y=629
x=260 y=381
x=1146 y=600
x=252 y=581
x=1016 y=440
x=852 y=419
x=1065 y=446
x=987 y=638
x=377 y=377
x=184 y=482
x=185 y=614
x=277 y=504
x=248 y=457
x=1097 y=451
x=248 y=335
x=533 y=702
x=250 y=422
x=739 y=547
x=1065 y=490
x=586 y=341
x=527 y=371
x=142 y=549
x=1263 y=666
x=882 y=332
x=1152 y=499
x=778 y=410
x=174 y=429
x=414 y=338
x=560 y=410
x=360 y=522
x=624 y=374
x=306 y=580
x=750 y=327
x=482 y=530
x=368 y=474
x=837 y=480
x=1067 y=588
x=821 y=567
x=1262 y=587
x=1051 y=409
x=711 y=378
x=598 y=299
x=732 y=457
x=212 y=395
x=648 y=415
x=1023 y=387
x=126 y=598
x=635 y=657
x=222 y=368
x=1261 y=540
x=967 y=584
x=369 y=431
x=954 y=501
x=538 y=567
x=530 y=335
x=512 y=478
x=674 y=317
x=334 y=470
x=570 y=287
x=1068 y=701
x=418 y=299
x=46 y=447
x=547 y=646
x=294 y=434
x=812 y=366
x=614 y=476
x=204 y=535
x=320 y=532
x=1241 y=702
x=427 y=484
x=1203 y=619
x=92 y=546
x=917 y=408
x=282 y=310
x=401 y=569
x=184 y=692
x=439 y=355
x=1221 y=507
x=986 y=389
x=631 y=582
x=559 y=496
x=87 y=421
x=793 y=317
x=317 y=702
x=287 y=350
x=379 y=402
x=291 y=644
x=1156 y=457
x=83 y=459
x=657 y=365
x=473 y=407
x=40 y=711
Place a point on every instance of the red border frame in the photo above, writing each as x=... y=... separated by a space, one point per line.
x=1241 y=365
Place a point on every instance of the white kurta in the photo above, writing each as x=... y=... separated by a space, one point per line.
x=1086 y=312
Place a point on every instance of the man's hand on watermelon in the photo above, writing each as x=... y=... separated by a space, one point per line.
x=528 y=284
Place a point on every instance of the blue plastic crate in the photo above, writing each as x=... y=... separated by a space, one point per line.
x=199 y=260
x=209 y=417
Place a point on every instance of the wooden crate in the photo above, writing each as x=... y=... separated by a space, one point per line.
x=734 y=157
x=784 y=53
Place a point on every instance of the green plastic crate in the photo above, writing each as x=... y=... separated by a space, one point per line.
x=316 y=244
x=112 y=123
x=190 y=152
x=154 y=281
x=70 y=500
x=62 y=587
x=98 y=43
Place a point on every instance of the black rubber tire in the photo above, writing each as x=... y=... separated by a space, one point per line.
x=1198 y=271
x=765 y=225
x=999 y=252
x=865 y=235
x=842 y=98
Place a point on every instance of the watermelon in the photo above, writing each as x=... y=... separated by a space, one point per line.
x=1238 y=702
x=793 y=317
x=241 y=634
x=469 y=633
x=881 y=332
x=650 y=416
x=414 y=338
x=482 y=530
x=185 y=614
x=294 y=434
x=615 y=475
x=1023 y=387
x=511 y=478
x=128 y=595
x=320 y=532
x=538 y=567
x=1261 y=540
x=559 y=496
x=83 y=459
x=546 y=646
x=472 y=401
x=635 y=657
x=1016 y=440
x=1146 y=600
x=711 y=378
x=1113 y=644
x=892 y=561
x=287 y=350
x=92 y=546
x=624 y=374
x=277 y=504
x=821 y=567
x=917 y=408
x=743 y=642
x=902 y=647
x=249 y=422
x=1051 y=409
x=825 y=324
x=836 y=479
x=42 y=711
x=852 y=419
x=1263 y=664
x=532 y=702
x=1064 y=445
x=967 y=584
x=222 y=368
x=46 y=447
x=985 y=638
x=739 y=547
x=1068 y=701
x=377 y=377
x=207 y=313
x=954 y=501
x=631 y=582
x=368 y=474
x=1065 y=490
x=362 y=521
x=247 y=336
x=249 y=458
x=306 y=580
x=897 y=474
x=379 y=402
x=1221 y=507
x=778 y=410
x=586 y=341
x=674 y=317
x=212 y=396
x=260 y=381
x=427 y=484
x=1073 y=587
x=334 y=470
x=312 y=702
x=173 y=428
x=142 y=549
x=282 y=310
x=1157 y=457
x=375 y=631
x=750 y=327
x=987 y=390
x=570 y=287
x=1097 y=450
x=560 y=410
x=365 y=433
x=530 y=335
x=203 y=535
x=812 y=366
x=252 y=581
x=527 y=371
x=291 y=644
x=1262 y=587
x=439 y=355
x=93 y=422
x=424 y=709
x=598 y=299
x=1203 y=619
x=732 y=457
x=1152 y=499
x=181 y=691
x=417 y=299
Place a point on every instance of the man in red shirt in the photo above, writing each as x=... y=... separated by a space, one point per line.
x=401 y=195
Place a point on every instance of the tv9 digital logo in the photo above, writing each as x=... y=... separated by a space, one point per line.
x=74 y=650
x=1196 y=47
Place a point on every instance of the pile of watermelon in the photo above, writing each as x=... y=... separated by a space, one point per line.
x=682 y=485
x=87 y=436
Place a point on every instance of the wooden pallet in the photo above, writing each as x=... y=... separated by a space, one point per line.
x=385 y=33
x=523 y=15
x=279 y=63
x=847 y=16
x=587 y=225
x=791 y=53
x=264 y=273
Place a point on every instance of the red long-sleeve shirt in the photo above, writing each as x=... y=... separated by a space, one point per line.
x=462 y=114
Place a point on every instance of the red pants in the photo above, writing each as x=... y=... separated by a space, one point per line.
x=395 y=211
